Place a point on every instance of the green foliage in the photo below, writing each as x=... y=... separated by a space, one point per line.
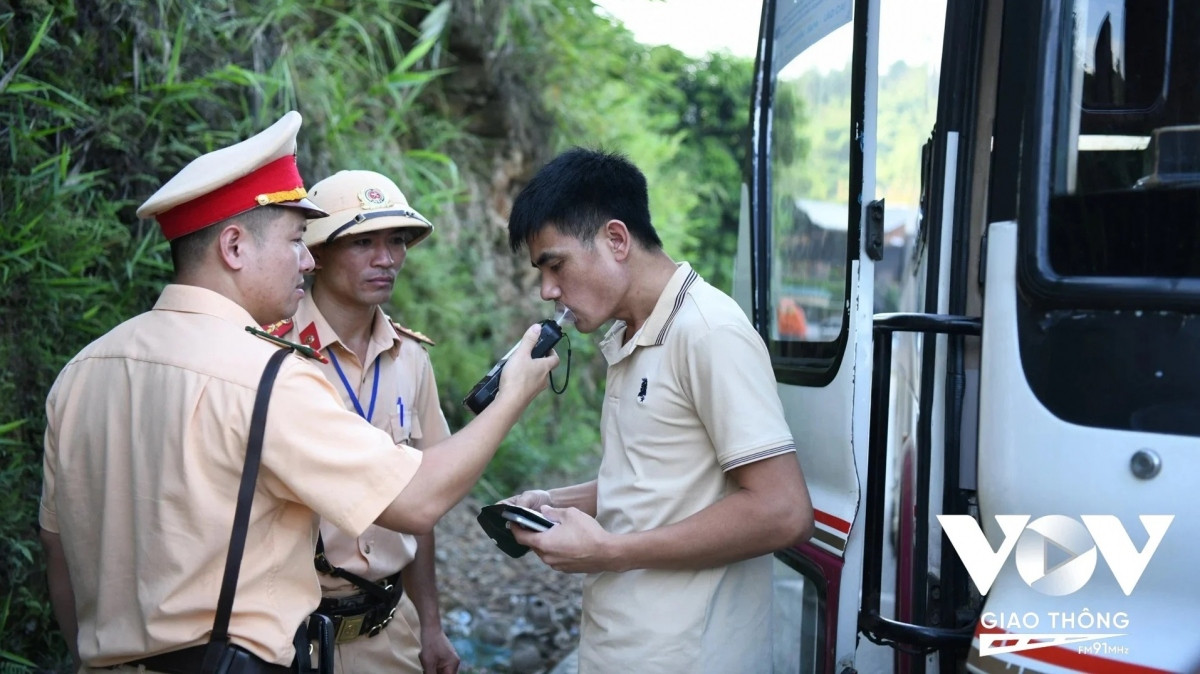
x=106 y=101
x=70 y=269
x=708 y=104
x=22 y=593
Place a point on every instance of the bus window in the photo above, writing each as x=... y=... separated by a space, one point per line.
x=1119 y=75
x=910 y=56
x=1126 y=195
x=1108 y=331
x=809 y=181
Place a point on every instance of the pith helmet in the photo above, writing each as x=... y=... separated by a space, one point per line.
x=259 y=171
x=362 y=201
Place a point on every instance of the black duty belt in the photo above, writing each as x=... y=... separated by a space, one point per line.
x=363 y=613
x=189 y=660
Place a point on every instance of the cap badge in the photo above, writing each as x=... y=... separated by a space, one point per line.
x=372 y=197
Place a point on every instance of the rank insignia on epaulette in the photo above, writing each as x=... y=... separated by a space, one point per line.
x=301 y=349
x=409 y=332
x=279 y=328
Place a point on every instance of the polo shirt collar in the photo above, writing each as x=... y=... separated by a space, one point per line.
x=309 y=321
x=654 y=331
x=196 y=300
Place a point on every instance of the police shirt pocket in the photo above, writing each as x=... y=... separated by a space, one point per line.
x=407 y=431
x=398 y=430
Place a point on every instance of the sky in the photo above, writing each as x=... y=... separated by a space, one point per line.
x=694 y=27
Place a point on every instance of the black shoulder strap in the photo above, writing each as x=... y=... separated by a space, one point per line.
x=241 y=518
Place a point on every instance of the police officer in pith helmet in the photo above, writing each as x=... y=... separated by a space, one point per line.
x=383 y=373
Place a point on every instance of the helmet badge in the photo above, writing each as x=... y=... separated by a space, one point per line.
x=372 y=197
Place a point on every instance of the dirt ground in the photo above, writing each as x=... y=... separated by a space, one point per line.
x=502 y=614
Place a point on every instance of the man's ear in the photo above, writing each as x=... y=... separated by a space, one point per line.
x=618 y=239
x=316 y=256
x=232 y=245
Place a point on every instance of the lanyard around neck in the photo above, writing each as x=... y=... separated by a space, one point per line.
x=350 y=389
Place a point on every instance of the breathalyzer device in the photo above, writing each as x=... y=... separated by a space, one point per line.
x=485 y=391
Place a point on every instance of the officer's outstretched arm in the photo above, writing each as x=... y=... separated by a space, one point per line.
x=450 y=468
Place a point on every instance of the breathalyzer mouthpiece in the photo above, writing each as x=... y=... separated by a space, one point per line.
x=562 y=315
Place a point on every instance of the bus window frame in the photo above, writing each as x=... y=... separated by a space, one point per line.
x=797 y=362
x=1040 y=283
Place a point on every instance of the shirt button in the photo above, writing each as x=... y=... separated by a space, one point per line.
x=368 y=549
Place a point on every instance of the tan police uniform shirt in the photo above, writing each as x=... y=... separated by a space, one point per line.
x=689 y=397
x=408 y=408
x=144 y=452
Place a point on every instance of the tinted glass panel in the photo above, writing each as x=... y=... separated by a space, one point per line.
x=1122 y=53
x=1125 y=197
x=910 y=56
x=809 y=181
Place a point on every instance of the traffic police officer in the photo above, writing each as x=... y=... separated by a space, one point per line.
x=147 y=433
x=384 y=374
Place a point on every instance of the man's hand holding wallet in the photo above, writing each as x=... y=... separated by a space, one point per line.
x=495 y=520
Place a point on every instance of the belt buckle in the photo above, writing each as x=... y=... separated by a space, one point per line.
x=350 y=628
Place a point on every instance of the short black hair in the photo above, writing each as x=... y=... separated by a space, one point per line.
x=579 y=191
x=188 y=250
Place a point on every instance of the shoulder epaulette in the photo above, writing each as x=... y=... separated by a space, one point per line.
x=408 y=332
x=279 y=328
x=305 y=351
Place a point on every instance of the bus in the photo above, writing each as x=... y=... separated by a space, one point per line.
x=970 y=238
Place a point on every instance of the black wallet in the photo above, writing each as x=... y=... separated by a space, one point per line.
x=495 y=518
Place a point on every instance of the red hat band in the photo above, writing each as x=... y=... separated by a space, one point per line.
x=272 y=183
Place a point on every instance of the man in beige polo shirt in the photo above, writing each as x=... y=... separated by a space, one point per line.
x=699 y=480
x=147 y=434
x=383 y=374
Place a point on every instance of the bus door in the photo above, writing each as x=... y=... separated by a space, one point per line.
x=808 y=242
x=844 y=142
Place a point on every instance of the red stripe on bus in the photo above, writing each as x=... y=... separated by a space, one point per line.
x=1083 y=662
x=831 y=521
